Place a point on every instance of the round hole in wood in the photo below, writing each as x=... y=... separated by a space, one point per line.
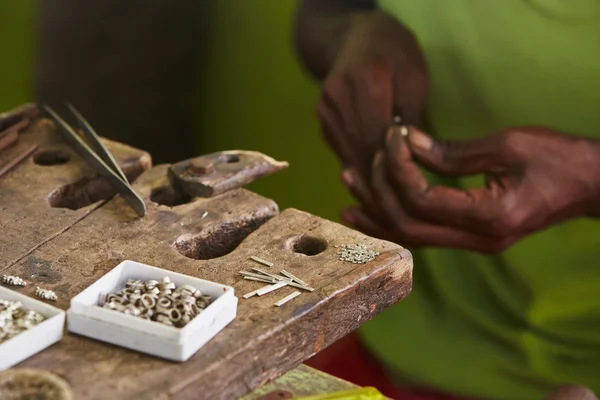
x=48 y=157
x=231 y=158
x=168 y=196
x=309 y=245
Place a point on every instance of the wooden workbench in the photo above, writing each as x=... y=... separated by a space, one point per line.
x=59 y=232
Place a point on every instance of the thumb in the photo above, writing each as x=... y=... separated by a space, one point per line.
x=456 y=158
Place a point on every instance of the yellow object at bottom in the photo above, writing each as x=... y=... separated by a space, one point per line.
x=367 y=393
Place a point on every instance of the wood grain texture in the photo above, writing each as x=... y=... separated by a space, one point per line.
x=211 y=238
x=26 y=193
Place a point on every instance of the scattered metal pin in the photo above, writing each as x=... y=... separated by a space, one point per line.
x=260 y=271
x=271 y=288
x=251 y=294
x=263 y=280
x=261 y=261
x=292 y=277
x=286 y=299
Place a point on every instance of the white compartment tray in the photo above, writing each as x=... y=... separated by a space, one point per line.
x=33 y=340
x=86 y=318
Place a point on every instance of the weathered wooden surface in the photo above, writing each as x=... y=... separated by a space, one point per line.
x=27 y=217
x=67 y=250
x=301 y=381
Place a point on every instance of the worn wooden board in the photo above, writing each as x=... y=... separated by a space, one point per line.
x=263 y=341
x=27 y=218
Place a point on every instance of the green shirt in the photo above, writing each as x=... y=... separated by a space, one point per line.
x=516 y=325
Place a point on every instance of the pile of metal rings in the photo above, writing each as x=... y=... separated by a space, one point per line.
x=14 y=319
x=161 y=301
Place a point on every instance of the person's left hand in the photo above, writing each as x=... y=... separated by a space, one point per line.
x=535 y=177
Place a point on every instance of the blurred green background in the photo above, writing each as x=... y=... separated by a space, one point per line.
x=252 y=94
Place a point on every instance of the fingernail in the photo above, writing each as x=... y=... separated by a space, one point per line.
x=348 y=177
x=378 y=157
x=420 y=141
x=392 y=134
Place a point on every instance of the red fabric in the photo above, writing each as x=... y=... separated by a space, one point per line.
x=349 y=360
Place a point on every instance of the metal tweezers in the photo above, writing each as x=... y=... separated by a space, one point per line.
x=98 y=157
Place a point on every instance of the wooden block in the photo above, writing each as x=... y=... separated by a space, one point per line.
x=69 y=246
x=264 y=341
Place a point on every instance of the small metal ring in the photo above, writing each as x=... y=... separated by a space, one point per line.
x=175 y=315
x=148 y=301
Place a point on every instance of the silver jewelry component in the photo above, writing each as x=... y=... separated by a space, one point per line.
x=13 y=280
x=148 y=301
x=292 y=277
x=45 y=294
x=261 y=261
x=175 y=315
x=14 y=319
x=270 y=288
x=159 y=301
x=356 y=253
x=286 y=299
x=265 y=279
x=164 y=319
x=251 y=294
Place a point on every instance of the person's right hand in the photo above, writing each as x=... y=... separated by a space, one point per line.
x=378 y=73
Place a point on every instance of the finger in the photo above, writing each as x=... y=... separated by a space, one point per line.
x=410 y=231
x=333 y=132
x=373 y=103
x=365 y=224
x=383 y=193
x=458 y=158
x=410 y=96
x=361 y=192
x=471 y=210
x=337 y=101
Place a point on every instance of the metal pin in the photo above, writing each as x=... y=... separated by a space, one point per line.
x=257 y=279
x=292 y=277
x=251 y=294
x=276 y=277
x=260 y=276
x=297 y=285
x=45 y=294
x=270 y=288
x=261 y=261
x=286 y=299
x=204 y=215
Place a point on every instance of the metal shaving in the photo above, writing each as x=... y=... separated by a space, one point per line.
x=356 y=253
x=14 y=319
x=13 y=280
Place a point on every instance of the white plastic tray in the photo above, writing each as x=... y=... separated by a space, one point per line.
x=86 y=318
x=33 y=340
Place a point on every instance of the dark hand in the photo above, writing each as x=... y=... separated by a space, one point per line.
x=572 y=392
x=378 y=70
x=535 y=177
